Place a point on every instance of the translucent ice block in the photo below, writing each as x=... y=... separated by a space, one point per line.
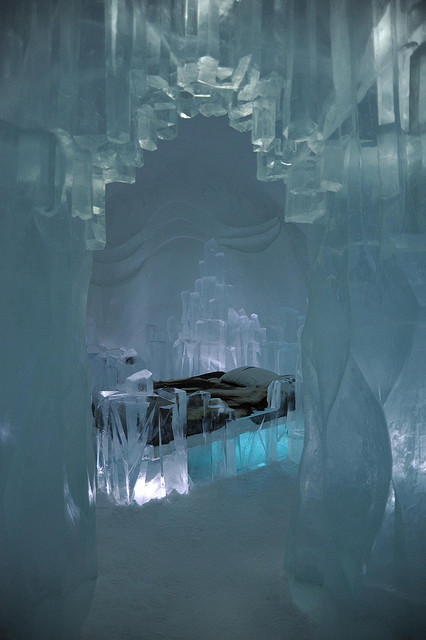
x=124 y=427
x=263 y=131
x=147 y=128
x=141 y=381
x=141 y=446
x=237 y=447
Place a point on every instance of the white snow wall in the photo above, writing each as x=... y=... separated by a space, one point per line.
x=334 y=95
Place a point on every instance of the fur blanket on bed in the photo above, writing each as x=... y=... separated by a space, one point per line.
x=244 y=399
x=242 y=391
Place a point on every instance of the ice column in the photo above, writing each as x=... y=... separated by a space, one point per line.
x=213 y=336
x=359 y=509
x=47 y=550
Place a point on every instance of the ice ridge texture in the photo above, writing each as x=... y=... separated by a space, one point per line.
x=212 y=336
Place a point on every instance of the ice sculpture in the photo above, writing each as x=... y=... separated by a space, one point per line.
x=110 y=368
x=141 y=448
x=334 y=96
x=238 y=445
x=213 y=336
x=150 y=444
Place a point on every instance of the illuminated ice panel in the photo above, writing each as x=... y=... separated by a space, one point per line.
x=161 y=473
x=143 y=452
x=256 y=448
x=135 y=460
x=240 y=446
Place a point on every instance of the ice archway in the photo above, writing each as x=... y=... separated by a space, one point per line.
x=334 y=94
x=200 y=186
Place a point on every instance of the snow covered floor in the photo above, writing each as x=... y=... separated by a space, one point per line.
x=203 y=566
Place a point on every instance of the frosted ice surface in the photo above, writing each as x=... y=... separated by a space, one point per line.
x=263 y=131
x=141 y=445
x=179 y=397
x=141 y=381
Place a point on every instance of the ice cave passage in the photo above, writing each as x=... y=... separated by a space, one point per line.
x=198 y=187
x=331 y=97
x=197 y=197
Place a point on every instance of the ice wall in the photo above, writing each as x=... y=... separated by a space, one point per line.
x=363 y=469
x=334 y=96
x=47 y=527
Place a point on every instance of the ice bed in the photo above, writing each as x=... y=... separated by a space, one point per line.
x=156 y=437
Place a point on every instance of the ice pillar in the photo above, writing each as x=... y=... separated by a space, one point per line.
x=47 y=533
x=362 y=472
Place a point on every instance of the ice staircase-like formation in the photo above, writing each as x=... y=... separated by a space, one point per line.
x=212 y=336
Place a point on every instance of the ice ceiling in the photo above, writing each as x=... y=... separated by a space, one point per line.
x=334 y=95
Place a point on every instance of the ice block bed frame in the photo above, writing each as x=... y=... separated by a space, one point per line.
x=172 y=434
